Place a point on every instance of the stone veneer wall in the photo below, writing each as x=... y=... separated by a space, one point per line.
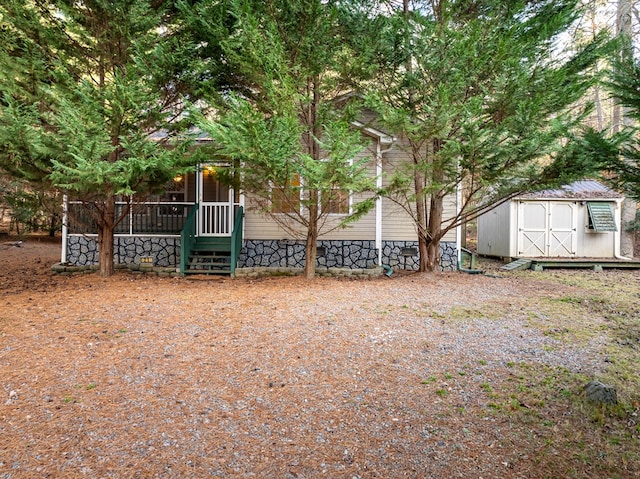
x=339 y=254
x=83 y=251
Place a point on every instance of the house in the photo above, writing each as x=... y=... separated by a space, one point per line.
x=580 y=220
x=202 y=225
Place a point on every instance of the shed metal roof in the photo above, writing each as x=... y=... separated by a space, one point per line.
x=583 y=189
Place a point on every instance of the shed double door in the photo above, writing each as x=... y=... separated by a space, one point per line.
x=547 y=228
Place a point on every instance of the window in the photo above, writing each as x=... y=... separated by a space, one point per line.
x=601 y=217
x=336 y=202
x=286 y=199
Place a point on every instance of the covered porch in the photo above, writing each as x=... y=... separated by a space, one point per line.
x=195 y=225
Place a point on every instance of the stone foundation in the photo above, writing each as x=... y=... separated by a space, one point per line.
x=83 y=250
x=355 y=254
x=340 y=254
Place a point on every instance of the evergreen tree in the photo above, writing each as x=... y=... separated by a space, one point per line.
x=83 y=87
x=485 y=97
x=287 y=124
x=624 y=170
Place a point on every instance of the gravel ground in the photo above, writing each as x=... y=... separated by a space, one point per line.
x=135 y=376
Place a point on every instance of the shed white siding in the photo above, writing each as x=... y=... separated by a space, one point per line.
x=493 y=232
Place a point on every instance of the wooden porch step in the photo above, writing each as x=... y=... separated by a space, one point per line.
x=212 y=244
x=209 y=263
x=519 y=264
x=210 y=255
x=208 y=271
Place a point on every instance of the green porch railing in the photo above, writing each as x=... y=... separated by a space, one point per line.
x=187 y=238
x=236 y=239
x=138 y=218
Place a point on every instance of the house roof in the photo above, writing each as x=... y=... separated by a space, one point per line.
x=583 y=189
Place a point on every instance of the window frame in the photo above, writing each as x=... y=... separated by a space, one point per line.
x=346 y=197
x=276 y=205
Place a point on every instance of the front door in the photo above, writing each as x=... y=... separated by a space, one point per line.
x=216 y=203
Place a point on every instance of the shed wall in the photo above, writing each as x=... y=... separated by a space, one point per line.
x=494 y=232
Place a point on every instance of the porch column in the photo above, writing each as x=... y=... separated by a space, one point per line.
x=65 y=231
x=379 y=202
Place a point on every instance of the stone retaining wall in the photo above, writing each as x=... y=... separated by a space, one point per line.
x=67 y=269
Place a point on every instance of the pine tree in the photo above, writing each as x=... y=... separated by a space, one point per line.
x=625 y=85
x=287 y=124
x=83 y=86
x=486 y=100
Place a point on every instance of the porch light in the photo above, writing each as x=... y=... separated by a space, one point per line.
x=177 y=179
x=210 y=170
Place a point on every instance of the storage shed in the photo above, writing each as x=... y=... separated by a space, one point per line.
x=580 y=220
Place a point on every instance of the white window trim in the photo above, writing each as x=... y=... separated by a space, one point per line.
x=349 y=199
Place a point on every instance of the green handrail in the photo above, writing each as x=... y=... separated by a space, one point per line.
x=187 y=238
x=465 y=253
x=236 y=240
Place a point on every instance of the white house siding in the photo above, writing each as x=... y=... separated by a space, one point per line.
x=262 y=226
x=397 y=224
x=353 y=246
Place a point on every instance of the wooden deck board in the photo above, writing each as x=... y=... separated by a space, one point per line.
x=586 y=263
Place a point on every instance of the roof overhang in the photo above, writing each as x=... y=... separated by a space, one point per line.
x=381 y=136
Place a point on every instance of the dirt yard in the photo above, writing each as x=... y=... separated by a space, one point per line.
x=412 y=376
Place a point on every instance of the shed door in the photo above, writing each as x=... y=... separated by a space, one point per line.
x=533 y=228
x=562 y=229
x=547 y=228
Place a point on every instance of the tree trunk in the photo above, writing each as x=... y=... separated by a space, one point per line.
x=53 y=224
x=423 y=253
x=436 y=209
x=313 y=148
x=311 y=246
x=421 y=208
x=627 y=236
x=435 y=233
x=105 y=238
x=629 y=206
